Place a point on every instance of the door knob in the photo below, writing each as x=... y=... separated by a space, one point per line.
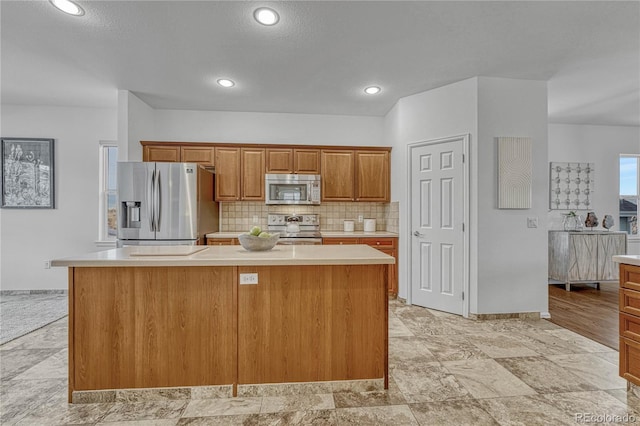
x=417 y=234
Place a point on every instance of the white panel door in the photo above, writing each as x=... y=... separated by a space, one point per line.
x=437 y=215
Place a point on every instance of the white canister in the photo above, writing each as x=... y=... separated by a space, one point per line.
x=348 y=226
x=369 y=225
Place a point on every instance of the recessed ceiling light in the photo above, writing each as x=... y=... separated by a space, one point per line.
x=67 y=6
x=266 y=16
x=372 y=90
x=225 y=82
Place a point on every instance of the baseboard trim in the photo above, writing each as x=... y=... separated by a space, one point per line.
x=22 y=292
x=516 y=315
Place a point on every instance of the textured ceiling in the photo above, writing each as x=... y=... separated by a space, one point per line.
x=321 y=54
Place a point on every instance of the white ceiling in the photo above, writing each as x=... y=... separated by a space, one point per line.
x=322 y=54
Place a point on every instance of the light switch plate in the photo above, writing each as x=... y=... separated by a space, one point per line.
x=249 y=278
x=532 y=222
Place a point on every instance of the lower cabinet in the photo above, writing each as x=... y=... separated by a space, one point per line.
x=222 y=242
x=387 y=245
x=629 y=316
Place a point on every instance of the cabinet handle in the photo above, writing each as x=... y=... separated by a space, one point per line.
x=378 y=242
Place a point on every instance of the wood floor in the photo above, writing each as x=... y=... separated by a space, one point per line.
x=587 y=311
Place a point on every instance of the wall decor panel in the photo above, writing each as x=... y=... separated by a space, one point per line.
x=571 y=186
x=514 y=173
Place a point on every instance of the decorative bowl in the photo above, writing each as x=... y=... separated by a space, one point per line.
x=253 y=243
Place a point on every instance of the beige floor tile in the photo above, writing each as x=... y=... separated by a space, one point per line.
x=591 y=368
x=527 y=410
x=397 y=327
x=586 y=345
x=276 y=404
x=223 y=407
x=430 y=382
x=408 y=350
x=485 y=378
x=500 y=345
x=397 y=415
x=447 y=413
x=585 y=407
x=152 y=410
x=54 y=367
x=544 y=375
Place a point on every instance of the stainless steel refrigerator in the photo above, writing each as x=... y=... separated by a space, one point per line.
x=165 y=203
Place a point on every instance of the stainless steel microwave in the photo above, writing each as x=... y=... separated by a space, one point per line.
x=292 y=189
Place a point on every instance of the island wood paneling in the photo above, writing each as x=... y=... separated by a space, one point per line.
x=312 y=323
x=629 y=323
x=144 y=327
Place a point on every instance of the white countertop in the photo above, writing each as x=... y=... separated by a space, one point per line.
x=325 y=234
x=356 y=254
x=629 y=259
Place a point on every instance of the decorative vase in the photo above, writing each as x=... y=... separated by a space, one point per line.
x=591 y=221
x=607 y=222
x=572 y=222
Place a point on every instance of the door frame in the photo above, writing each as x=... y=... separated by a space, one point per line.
x=466 y=198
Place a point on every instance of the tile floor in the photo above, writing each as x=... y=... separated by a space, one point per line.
x=445 y=370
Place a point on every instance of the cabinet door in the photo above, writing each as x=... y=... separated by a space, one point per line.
x=337 y=175
x=340 y=241
x=253 y=174
x=306 y=161
x=197 y=154
x=583 y=260
x=227 y=178
x=222 y=242
x=608 y=246
x=161 y=153
x=279 y=160
x=372 y=176
x=392 y=279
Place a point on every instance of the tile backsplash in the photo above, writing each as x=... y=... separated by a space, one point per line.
x=239 y=216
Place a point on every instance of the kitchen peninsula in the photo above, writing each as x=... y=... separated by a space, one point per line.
x=167 y=317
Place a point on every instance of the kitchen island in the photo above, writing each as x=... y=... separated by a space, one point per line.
x=153 y=317
x=629 y=318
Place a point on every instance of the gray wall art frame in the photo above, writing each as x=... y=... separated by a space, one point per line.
x=28 y=178
x=571 y=186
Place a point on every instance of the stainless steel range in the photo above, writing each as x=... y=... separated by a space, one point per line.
x=295 y=228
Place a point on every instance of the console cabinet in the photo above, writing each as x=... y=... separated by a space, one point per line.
x=584 y=257
x=630 y=323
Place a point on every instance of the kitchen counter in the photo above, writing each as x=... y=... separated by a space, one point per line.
x=629 y=259
x=226 y=317
x=230 y=256
x=325 y=234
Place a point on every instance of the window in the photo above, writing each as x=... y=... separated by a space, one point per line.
x=108 y=162
x=629 y=184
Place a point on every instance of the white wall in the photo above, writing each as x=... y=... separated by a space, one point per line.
x=512 y=259
x=601 y=145
x=254 y=127
x=135 y=123
x=29 y=237
x=446 y=111
x=508 y=261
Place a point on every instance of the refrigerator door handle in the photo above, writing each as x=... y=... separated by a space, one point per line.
x=158 y=201
x=150 y=203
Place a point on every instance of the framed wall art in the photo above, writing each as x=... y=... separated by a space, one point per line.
x=27 y=173
x=571 y=186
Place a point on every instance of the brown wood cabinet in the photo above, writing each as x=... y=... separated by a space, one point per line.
x=144 y=328
x=630 y=323
x=356 y=175
x=372 y=177
x=293 y=160
x=228 y=169
x=174 y=153
x=222 y=242
x=337 y=175
x=197 y=154
x=161 y=153
x=252 y=180
x=387 y=245
x=347 y=173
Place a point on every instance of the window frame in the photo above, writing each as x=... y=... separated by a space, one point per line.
x=637 y=195
x=104 y=239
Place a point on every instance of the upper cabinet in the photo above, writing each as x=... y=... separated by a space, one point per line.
x=372 y=178
x=347 y=173
x=164 y=152
x=356 y=175
x=337 y=175
x=253 y=168
x=197 y=154
x=293 y=160
x=227 y=173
